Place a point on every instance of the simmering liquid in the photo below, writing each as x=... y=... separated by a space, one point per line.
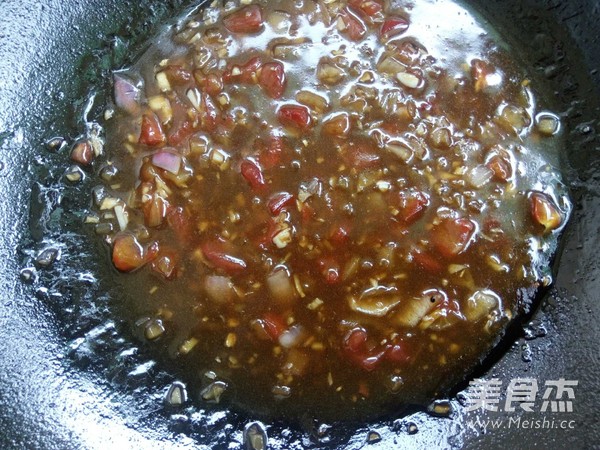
x=325 y=206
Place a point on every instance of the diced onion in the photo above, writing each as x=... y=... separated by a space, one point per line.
x=547 y=124
x=163 y=82
x=329 y=74
x=416 y=308
x=219 y=288
x=283 y=237
x=281 y=286
x=314 y=101
x=154 y=329
x=177 y=394
x=377 y=301
x=296 y=363
x=280 y=21
x=307 y=190
x=194 y=97
x=169 y=161
x=480 y=175
x=161 y=106
x=108 y=203
x=213 y=392
x=188 y=345
x=122 y=217
x=391 y=66
x=292 y=337
x=409 y=80
x=400 y=150
x=127 y=94
x=481 y=304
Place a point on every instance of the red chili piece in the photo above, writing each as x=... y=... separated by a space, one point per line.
x=453 y=236
x=427 y=261
x=341 y=234
x=355 y=28
x=279 y=201
x=272 y=79
x=245 y=20
x=216 y=254
x=362 y=156
x=178 y=75
x=330 y=269
x=151 y=133
x=273 y=324
x=393 y=26
x=411 y=206
x=369 y=7
x=271 y=152
x=128 y=254
x=180 y=222
x=245 y=74
x=252 y=173
x=295 y=116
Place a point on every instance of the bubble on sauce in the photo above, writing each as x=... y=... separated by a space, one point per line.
x=28 y=275
x=47 y=257
x=373 y=437
x=74 y=174
x=535 y=329
x=177 y=394
x=441 y=408
x=255 y=436
x=213 y=392
x=55 y=144
x=526 y=353
x=412 y=428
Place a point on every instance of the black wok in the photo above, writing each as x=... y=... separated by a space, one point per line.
x=71 y=376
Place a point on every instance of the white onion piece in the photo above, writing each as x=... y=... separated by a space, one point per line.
x=440 y=319
x=481 y=304
x=169 y=161
x=127 y=94
x=390 y=65
x=281 y=285
x=400 y=150
x=480 y=175
x=409 y=80
x=280 y=21
x=292 y=337
x=376 y=301
x=415 y=309
x=122 y=217
x=219 y=288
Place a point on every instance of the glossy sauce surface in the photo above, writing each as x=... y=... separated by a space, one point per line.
x=329 y=204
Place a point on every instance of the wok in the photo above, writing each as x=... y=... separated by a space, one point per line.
x=71 y=375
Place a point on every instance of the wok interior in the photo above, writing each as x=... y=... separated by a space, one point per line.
x=69 y=374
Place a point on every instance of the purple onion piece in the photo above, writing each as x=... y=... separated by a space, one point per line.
x=127 y=94
x=169 y=161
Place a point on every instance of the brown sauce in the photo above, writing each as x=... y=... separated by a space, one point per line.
x=326 y=206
